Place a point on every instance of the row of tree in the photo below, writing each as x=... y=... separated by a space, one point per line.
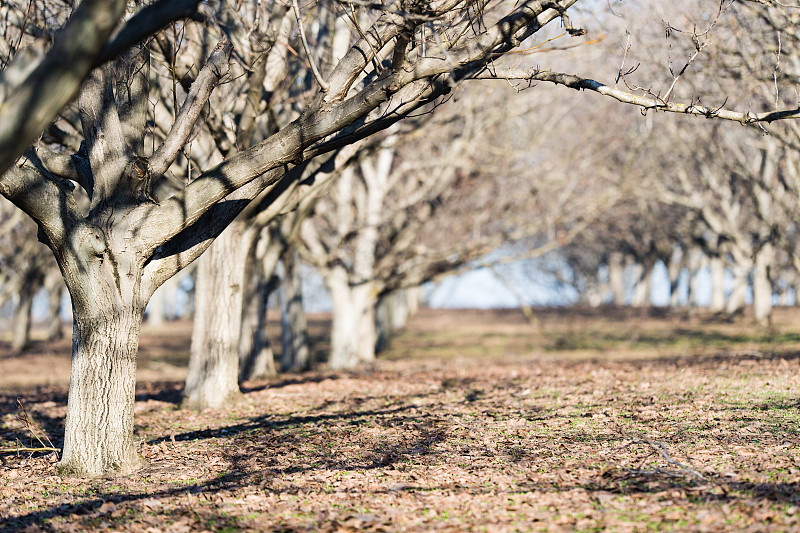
x=254 y=132
x=701 y=195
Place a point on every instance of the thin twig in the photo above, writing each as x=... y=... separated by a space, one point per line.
x=388 y=9
x=25 y=449
x=34 y=431
x=324 y=85
x=662 y=450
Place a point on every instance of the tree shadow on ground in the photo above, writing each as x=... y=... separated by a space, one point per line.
x=286 y=380
x=421 y=439
x=711 y=488
x=36 y=347
x=269 y=422
x=90 y=512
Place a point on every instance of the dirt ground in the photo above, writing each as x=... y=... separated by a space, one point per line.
x=609 y=419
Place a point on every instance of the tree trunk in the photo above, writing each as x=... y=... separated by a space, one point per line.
x=256 y=359
x=398 y=305
x=717 y=267
x=155 y=310
x=98 y=433
x=642 y=288
x=596 y=292
x=22 y=316
x=353 y=334
x=695 y=264
x=674 y=271
x=294 y=332
x=616 y=277
x=762 y=284
x=384 y=321
x=213 y=379
x=736 y=299
x=413 y=300
x=391 y=315
x=55 y=290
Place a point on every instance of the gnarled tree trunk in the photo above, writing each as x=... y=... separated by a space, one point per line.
x=98 y=437
x=104 y=278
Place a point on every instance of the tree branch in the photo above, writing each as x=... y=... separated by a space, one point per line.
x=269 y=160
x=146 y=22
x=645 y=102
x=199 y=93
x=35 y=101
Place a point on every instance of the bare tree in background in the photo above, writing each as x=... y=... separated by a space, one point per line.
x=26 y=266
x=423 y=204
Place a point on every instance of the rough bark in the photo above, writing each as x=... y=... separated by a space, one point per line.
x=127 y=244
x=45 y=85
x=99 y=427
x=107 y=310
